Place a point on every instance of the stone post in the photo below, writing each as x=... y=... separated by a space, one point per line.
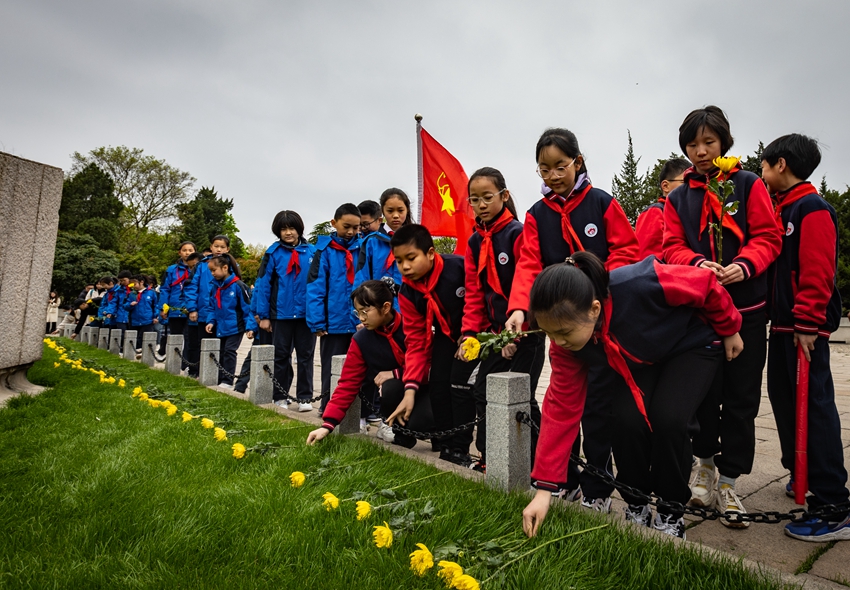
x=148 y=347
x=130 y=345
x=351 y=423
x=67 y=330
x=84 y=335
x=208 y=373
x=115 y=341
x=103 y=338
x=91 y=336
x=508 y=441
x=173 y=350
x=261 y=389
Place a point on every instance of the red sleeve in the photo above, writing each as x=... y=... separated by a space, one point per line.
x=817 y=275
x=417 y=357
x=764 y=237
x=529 y=265
x=474 y=310
x=649 y=231
x=350 y=382
x=562 y=409
x=698 y=288
x=623 y=246
x=675 y=242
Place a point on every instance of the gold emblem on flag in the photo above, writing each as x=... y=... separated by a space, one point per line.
x=446 y=195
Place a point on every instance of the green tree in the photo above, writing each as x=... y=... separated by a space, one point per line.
x=206 y=216
x=629 y=187
x=103 y=231
x=652 y=178
x=841 y=203
x=90 y=193
x=147 y=251
x=753 y=163
x=445 y=244
x=320 y=229
x=79 y=259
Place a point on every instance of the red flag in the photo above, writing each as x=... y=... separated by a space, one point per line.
x=445 y=210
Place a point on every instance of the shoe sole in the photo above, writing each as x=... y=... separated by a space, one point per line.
x=839 y=535
x=734 y=525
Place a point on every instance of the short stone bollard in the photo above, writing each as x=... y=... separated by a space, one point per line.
x=351 y=423
x=130 y=345
x=115 y=341
x=67 y=331
x=148 y=347
x=84 y=335
x=103 y=338
x=173 y=350
x=261 y=388
x=91 y=338
x=208 y=373
x=508 y=441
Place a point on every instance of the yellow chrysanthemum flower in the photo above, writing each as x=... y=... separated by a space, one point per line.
x=471 y=347
x=449 y=570
x=143 y=396
x=383 y=536
x=136 y=391
x=207 y=423
x=122 y=383
x=331 y=502
x=55 y=365
x=421 y=560
x=364 y=509
x=238 y=450
x=154 y=403
x=110 y=380
x=165 y=308
x=187 y=417
x=726 y=164
x=171 y=410
x=465 y=582
x=220 y=434
x=296 y=479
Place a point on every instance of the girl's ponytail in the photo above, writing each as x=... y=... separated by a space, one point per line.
x=220 y=260
x=566 y=291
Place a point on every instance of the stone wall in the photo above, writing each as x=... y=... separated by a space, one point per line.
x=30 y=195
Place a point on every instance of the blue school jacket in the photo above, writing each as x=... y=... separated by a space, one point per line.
x=115 y=298
x=144 y=312
x=281 y=289
x=197 y=299
x=329 y=285
x=229 y=307
x=176 y=289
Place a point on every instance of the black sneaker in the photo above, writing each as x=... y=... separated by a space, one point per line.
x=404 y=440
x=478 y=466
x=669 y=525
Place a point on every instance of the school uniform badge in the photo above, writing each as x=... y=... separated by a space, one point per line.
x=503 y=258
x=790 y=229
x=590 y=230
x=460 y=292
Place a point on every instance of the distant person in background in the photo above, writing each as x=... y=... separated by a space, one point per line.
x=649 y=228
x=53 y=303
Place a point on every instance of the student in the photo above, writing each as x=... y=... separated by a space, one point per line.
x=280 y=301
x=329 y=286
x=109 y=293
x=68 y=318
x=376 y=258
x=649 y=228
x=573 y=216
x=53 y=303
x=751 y=242
x=490 y=263
x=375 y=357
x=141 y=307
x=113 y=310
x=805 y=308
x=82 y=311
x=432 y=296
x=652 y=327
x=370 y=218
x=176 y=292
x=228 y=314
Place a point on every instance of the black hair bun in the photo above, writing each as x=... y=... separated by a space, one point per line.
x=389 y=282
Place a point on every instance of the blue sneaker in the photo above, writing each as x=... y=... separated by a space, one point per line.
x=818 y=530
x=789 y=488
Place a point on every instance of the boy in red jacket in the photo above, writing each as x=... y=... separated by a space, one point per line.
x=649 y=228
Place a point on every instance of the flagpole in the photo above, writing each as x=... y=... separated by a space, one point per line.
x=421 y=182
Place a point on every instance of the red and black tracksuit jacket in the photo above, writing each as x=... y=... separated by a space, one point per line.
x=490 y=273
x=654 y=312
x=588 y=219
x=805 y=296
x=649 y=230
x=448 y=294
x=371 y=352
x=751 y=237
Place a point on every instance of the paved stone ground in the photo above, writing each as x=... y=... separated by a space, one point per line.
x=764 y=489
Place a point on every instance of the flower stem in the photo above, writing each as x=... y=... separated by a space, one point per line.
x=418 y=480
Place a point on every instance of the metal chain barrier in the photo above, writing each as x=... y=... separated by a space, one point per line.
x=424 y=435
x=285 y=394
x=183 y=358
x=245 y=373
x=770 y=516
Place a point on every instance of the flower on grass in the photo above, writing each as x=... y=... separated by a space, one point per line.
x=187 y=417
x=143 y=396
x=296 y=478
x=110 y=380
x=449 y=570
x=238 y=450
x=331 y=502
x=383 y=536
x=55 y=365
x=364 y=509
x=207 y=423
x=137 y=391
x=154 y=403
x=471 y=347
x=170 y=409
x=726 y=164
x=421 y=560
x=121 y=383
x=220 y=434
x=465 y=582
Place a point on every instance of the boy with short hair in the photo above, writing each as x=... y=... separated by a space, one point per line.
x=649 y=227
x=432 y=295
x=806 y=309
x=329 y=285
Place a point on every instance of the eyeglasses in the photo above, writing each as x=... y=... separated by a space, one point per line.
x=487 y=198
x=365 y=225
x=362 y=313
x=558 y=172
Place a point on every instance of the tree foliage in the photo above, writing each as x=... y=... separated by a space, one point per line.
x=320 y=229
x=78 y=259
x=629 y=187
x=841 y=203
x=88 y=193
x=206 y=216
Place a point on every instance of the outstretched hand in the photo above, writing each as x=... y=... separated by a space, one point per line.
x=535 y=513
x=317 y=435
x=402 y=412
x=733 y=345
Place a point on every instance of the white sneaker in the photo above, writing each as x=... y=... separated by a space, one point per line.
x=226 y=386
x=729 y=503
x=598 y=504
x=669 y=525
x=282 y=403
x=385 y=432
x=638 y=514
x=571 y=495
x=703 y=487
x=304 y=407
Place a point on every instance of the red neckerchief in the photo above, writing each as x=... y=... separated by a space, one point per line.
x=388 y=331
x=139 y=295
x=349 y=260
x=566 y=207
x=618 y=361
x=711 y=207
x=390 y=258
x=218 y=291
x=426 y=286
x=109 y=295
x=486 y=256
x=294 y=263
x=180 y=277
x=795 y=193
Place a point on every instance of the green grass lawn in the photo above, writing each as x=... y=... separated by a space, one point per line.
x=100 y=490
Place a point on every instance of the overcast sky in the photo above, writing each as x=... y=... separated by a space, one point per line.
x=307 y=105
